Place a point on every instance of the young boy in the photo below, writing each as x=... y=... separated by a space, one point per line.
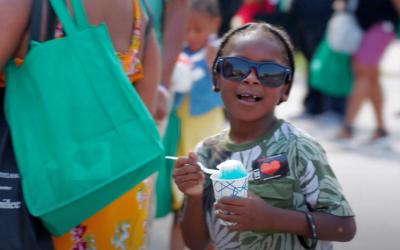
x=294 y=193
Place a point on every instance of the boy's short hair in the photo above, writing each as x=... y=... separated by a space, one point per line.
x=211 y=7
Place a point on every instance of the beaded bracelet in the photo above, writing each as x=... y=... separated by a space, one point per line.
x=314 y=239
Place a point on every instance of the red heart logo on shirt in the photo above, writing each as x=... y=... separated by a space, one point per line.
x=270 y=168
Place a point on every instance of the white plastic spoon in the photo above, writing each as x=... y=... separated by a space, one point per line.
x=206 y=170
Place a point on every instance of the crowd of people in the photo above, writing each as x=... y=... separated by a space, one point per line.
x=197 y=67
x=309 y=23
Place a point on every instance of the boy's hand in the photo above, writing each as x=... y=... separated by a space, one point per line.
x=162 y=104
x=188 y=176
x=248 y=214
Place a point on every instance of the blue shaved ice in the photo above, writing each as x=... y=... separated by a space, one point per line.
x=232 y=169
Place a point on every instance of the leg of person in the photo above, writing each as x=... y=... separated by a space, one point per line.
x=313 y=96
x=359 y=93
x=312 y=17
x=315 y=101
x=336 y=109
x=338 y=105
x=366 y=64
x=383 y=33
x=376 y=97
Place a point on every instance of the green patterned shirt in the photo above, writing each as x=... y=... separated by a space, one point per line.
x=311 y=185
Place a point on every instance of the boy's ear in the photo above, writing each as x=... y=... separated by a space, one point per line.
x=216 y=88
x=215 y=78
x=286 y=91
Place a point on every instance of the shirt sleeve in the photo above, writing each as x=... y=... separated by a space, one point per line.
x=318 y=183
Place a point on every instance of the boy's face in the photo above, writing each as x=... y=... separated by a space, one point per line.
x=201 y=26
x=257 y=49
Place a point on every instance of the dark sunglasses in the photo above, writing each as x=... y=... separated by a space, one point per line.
x=236 y=69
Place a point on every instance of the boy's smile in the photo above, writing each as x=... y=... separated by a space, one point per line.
x=249 y=95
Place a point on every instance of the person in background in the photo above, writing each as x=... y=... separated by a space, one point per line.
x=131 y=35
x=272 y=11
x=397 y=6
x=305 y=22
x=380 y=21
x=169 y=19
x=311 y=18
x=200 y=111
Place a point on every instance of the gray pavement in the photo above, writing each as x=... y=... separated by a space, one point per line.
x=370 y=177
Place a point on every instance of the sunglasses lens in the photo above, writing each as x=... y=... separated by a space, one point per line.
x=271 y=75
x=234 y=69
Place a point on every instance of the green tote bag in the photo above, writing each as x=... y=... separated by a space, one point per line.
x=330 y=71
x=81 y=135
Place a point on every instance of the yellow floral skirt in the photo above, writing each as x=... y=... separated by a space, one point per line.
x=120 y=225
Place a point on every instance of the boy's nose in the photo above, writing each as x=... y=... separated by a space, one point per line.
x=252 y=77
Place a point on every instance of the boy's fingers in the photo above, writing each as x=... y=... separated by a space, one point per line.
x=228 y=208
x=182 y=161
x=235 y=201
x=188 y=177
x=188 y=184
x=187 y=169
x=227 y=217
x=193 y=156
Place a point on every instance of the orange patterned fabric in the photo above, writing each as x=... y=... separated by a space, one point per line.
x=120 y=225
x=129 y=61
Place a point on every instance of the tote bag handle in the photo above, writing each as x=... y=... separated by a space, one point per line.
x=69 y=25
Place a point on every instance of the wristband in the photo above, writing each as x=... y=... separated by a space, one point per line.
x=313 y=228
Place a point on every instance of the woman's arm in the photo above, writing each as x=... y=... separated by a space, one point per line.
x=147 y=86
x=14 y=16
x=175 y=24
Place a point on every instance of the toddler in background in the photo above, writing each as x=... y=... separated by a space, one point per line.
x=200 y=109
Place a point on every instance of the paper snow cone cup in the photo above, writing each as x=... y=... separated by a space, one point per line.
x=229 y=188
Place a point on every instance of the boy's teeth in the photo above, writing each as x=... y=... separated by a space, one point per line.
x=249 y=96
